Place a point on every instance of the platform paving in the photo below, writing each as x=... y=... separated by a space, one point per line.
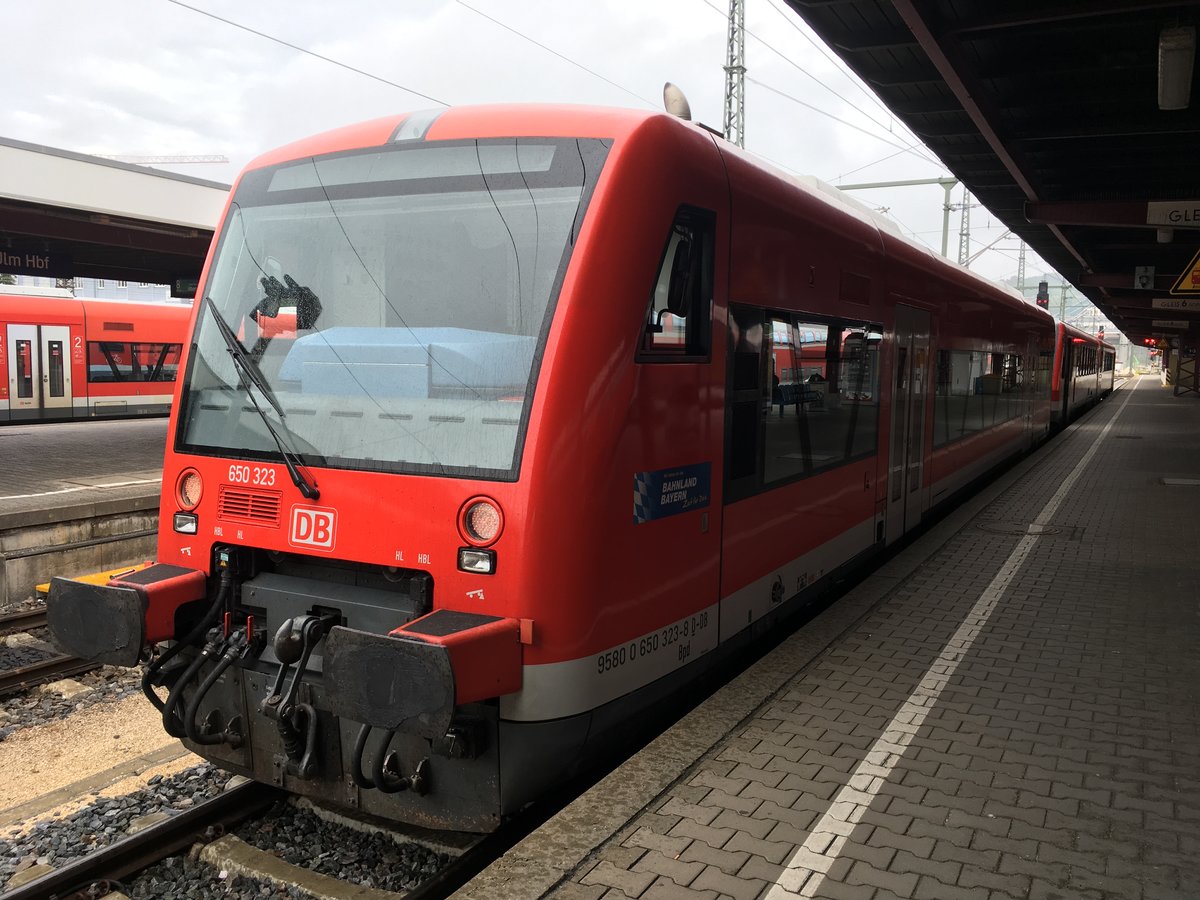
x=49 y=466
x=1010 y=708
x=76 y=498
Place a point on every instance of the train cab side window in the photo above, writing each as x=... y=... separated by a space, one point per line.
x=679 y=314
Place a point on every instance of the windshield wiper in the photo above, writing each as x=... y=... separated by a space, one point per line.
x=241 y=361
x=249 y=372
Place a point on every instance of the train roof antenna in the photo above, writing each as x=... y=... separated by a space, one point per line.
x=675 y=103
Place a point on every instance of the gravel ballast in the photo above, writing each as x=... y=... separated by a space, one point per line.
x=107 y=819
x=300 y=837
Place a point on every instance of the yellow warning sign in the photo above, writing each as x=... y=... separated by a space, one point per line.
x=1188 y=284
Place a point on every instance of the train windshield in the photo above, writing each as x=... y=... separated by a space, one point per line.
x=393 y=304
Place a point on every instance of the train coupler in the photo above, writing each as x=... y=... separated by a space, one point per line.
x=297 y=722
x=298 y=733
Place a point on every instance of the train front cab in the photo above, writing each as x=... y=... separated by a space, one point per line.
x=504 y=646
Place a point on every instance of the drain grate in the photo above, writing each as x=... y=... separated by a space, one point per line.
x=1128 y=437
x=1180 y=482
x=1068 y=532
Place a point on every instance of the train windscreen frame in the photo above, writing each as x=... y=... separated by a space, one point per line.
x=423 y=275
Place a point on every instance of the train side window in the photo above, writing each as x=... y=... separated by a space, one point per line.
x=941 y=398
x=54 y=366
x=679 y=314
x=803 y=396
x=1045 y=364
x=976 y=390
x=744 y=426
x=952 y=416
x=116 y=361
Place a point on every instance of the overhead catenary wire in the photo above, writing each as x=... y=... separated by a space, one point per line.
x=900 y=148
x=836 y=178
x=313 y=53
x=554 y=52
x=841 y=67
x=822 y=112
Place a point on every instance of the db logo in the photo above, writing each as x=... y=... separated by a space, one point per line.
x=313 y=526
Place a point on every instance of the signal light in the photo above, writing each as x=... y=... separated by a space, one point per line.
x=1043 y=295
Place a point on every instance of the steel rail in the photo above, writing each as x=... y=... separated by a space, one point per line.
x=23 y=620
x=203 y=822
x=18 y=679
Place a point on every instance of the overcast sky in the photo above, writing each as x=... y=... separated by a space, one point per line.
x=153 y=77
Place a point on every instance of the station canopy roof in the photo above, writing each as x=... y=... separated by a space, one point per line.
x=1049 y=112
x=66 y=214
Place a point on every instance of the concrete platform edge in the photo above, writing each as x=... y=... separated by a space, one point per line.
x=82 y=508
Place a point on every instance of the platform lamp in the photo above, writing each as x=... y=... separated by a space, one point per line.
x=1176 y=60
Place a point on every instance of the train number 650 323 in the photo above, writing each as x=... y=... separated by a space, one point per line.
x=263 y=476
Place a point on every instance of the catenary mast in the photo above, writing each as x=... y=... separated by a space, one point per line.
x=734 y=124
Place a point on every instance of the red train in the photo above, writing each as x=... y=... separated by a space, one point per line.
x=67 y=358
x=518 y=467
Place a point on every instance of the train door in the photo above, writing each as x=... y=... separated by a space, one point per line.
x=39 y=371
x=1067 y=380
x=907 y=499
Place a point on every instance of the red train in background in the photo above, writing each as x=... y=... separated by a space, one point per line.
x=1084 y=371
x=64 y=357
x=521 y=464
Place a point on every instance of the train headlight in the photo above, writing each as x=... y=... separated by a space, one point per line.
x=477 y=561
x=186 y=523
x=189 y=488
x=480 y=521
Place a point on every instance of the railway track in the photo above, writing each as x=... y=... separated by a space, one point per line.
x=207 y=833
x=93 y=875
x=26 y=619
x=21 y=678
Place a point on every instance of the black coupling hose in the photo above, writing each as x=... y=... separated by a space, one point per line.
x=209 y=619
x=232 y=651
x=356 y=759
x=387 y=782
x=170 y=718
